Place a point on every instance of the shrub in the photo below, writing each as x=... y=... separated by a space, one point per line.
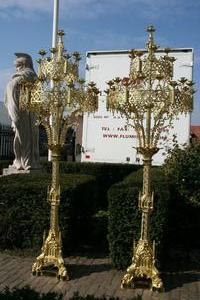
x=97 y=169
x=24 y=212
x=98 y=232
x=106 y=174
x=125 y=218
x=76 y=296
x=83 y=218
x=182 y=167
x=27 y=293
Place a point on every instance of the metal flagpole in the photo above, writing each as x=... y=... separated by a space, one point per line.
x=55 y=23
x=54 y=44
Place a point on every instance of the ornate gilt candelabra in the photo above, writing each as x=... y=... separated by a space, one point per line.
x=57 y=97
x=150 y=99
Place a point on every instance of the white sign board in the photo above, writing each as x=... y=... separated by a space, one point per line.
x=106 y=137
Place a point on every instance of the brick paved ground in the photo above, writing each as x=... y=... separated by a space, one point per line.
x=93 y=277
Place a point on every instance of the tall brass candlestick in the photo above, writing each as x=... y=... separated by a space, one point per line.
x=149 y=99
x=62 y=102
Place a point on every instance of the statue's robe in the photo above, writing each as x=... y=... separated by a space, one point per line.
x=25 y=145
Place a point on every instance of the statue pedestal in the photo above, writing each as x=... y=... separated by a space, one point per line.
x=11 y=170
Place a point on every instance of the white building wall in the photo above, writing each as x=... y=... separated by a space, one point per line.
x=106 y=137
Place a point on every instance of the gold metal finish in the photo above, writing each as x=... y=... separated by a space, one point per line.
x=150 y=98
x=57 y=97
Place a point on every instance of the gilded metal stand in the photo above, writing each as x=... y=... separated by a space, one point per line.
x=143 y=261
x=57 y=97
x=149 y=99
x=52 y=244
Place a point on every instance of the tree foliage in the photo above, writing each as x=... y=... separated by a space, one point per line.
x=182 y=166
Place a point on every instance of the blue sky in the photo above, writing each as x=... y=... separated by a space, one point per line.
x=26 y=26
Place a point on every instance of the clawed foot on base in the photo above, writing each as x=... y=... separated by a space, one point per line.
x=131 y=280
x=62 y=273
x=38 y=267
x=127 y=281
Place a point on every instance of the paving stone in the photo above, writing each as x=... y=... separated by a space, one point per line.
x=16 y=277
x=112 y=283
x=93 y=277
x=94 y=285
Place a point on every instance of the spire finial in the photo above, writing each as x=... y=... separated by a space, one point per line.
x=151 y=29
x=151 y=45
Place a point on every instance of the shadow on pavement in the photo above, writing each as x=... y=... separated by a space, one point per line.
x=175 y=280
x=77 y=271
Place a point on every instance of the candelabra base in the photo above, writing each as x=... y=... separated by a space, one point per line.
x=143 y=268
x=51 y=256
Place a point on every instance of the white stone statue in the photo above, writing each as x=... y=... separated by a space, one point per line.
x=26 y=145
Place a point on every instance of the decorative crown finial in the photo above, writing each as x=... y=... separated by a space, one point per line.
x=61 y=33
x=151 y=29
x=151 y=45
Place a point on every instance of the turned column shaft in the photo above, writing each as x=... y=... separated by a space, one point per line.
x=146 y=199
x=55 y=196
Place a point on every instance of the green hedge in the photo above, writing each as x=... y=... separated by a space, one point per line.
x=106 y=174
x=183 y=168
x=24 y=211
x=125 y=218
x=76 y=296
x=117 y=171
x=27 y=293
x=83 y=211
